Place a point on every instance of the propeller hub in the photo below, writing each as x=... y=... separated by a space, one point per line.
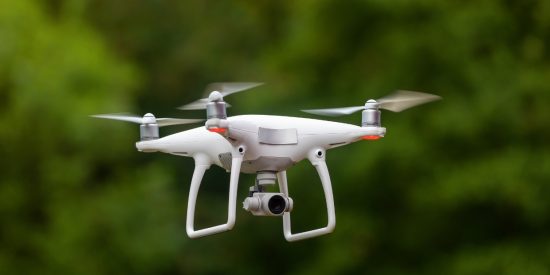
x=371 y=104
x=215 y=96
x=149 y=119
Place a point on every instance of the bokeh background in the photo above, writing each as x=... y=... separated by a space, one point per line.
x=460 y=186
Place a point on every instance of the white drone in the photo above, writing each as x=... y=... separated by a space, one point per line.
x=263 y=145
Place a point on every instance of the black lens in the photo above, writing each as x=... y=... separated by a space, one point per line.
x=276 y=204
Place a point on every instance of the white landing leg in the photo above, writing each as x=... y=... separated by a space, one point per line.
x=202 y=163
x=319 y=162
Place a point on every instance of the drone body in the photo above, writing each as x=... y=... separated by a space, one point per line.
x=272 y=143
x=266 y=146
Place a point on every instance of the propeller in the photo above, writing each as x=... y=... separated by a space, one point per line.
x=148 y=119
x=217 y=91
x=396 y=102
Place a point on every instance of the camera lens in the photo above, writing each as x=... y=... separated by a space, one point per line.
x=277 y=204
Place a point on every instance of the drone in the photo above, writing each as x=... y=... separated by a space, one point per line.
x=264 y=145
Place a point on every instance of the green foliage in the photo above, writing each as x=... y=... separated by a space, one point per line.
x=456 y=187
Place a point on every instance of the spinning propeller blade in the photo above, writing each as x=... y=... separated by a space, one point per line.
x=121 y=117
x=223 y=89
x=176 y=121
x=335 y=111
x=396 y=102
x=227 y=88
x=148 y=119
x=402 y=100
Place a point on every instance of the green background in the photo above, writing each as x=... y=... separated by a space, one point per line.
x=460 y=186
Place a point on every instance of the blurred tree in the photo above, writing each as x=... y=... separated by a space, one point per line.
x=70 y=195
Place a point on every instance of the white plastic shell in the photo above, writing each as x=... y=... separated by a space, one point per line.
x=287 y=141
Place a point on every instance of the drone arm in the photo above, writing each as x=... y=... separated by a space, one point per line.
x=202 y=163
x=322 y=170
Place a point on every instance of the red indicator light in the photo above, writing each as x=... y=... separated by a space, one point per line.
x=371 y=137
x=217 y=130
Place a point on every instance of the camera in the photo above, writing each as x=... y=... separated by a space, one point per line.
x=268 y=204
